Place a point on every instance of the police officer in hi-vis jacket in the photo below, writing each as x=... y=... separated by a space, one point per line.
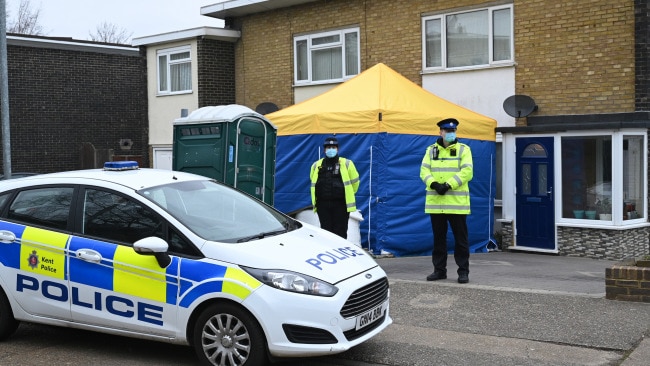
x=446 y=171
x=334 y=181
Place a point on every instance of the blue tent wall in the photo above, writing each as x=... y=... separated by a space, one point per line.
x=391 y=194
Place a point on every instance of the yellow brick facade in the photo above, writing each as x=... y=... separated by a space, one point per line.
x=573 y=57
x=576 y=57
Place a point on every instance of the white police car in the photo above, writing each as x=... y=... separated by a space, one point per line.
x=180 y=258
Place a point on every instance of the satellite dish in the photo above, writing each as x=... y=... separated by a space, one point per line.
x=519 y=105
x=266 y=108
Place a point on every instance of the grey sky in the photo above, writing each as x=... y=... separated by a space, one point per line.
x=79 y=18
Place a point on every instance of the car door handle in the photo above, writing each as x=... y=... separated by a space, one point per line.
x=89 y=255
x=7 y=237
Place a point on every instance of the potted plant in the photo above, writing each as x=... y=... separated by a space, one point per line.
x=604 y=206
x=579 y=213
x=590 y=213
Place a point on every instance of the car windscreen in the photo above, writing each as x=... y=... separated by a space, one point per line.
x=217 y=212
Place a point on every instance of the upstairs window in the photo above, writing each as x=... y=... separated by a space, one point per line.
x=477 y=38
x=326 y=57
x=174 y=70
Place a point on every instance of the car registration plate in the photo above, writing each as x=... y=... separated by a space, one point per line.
x=371 y=316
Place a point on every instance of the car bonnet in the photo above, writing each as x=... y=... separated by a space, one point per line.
x=308 y=250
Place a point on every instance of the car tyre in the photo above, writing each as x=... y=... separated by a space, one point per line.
x=225 y=334
x=8 y=324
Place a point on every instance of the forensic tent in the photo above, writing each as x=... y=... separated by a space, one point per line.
x=384 y=123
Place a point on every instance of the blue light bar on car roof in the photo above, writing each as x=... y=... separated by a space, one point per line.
x=121 y=165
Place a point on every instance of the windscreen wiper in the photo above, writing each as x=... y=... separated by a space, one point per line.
x=262 y=235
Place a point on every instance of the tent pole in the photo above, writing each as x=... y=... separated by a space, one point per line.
x=370 y=201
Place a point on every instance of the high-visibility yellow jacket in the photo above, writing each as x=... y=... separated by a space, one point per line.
x=350 y=182
x=453 y=166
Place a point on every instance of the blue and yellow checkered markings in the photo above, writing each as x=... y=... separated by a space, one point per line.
x=138 y=275
x=43 y=252
x=201 y=278
x=121 y=269
x=124 y=271
x=172 y=284
x=98 y=275
x=10 y=252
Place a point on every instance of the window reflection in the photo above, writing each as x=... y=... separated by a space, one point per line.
x=586 y=176
x=633 y=157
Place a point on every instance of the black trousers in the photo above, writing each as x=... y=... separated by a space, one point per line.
x=458 y=225
x=333 y=216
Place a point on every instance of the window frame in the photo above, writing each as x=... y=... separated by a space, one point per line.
x=331 y=45
x=168 y=52
x=617 y=188
x=442 y=18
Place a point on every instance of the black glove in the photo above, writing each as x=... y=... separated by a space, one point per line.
x=435 y=186
x=441 y=188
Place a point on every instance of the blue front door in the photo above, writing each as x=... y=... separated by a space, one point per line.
x=535 y=219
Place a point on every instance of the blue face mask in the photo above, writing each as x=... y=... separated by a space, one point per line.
x=450 y=136
x=330 y=152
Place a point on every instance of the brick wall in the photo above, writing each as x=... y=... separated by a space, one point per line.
x=591 y=242
x=62 y=98
x=574 y=57
x=390 y=34
x=216 y=72
x=642 y=52
x=602 y=243
x=627 y=283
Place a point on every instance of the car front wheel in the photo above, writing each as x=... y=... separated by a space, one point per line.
x=226 y=335
x=8 y=324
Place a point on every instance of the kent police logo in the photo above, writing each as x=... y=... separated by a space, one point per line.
x=33 y=260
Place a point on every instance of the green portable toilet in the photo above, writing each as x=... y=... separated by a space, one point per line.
x=230 y=143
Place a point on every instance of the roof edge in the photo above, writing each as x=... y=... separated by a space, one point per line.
x=221 y=34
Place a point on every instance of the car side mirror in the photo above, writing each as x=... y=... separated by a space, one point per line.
x=154 y=246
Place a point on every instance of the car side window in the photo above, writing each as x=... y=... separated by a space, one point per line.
x=117 y=218
x=45 y=207
x=3 y=200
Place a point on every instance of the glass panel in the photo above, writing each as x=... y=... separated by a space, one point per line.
x=586 y=176
x=501 y=39
x=162 y=73
x=335 y=38
x=351 y=54
x=116 y=218
x=433 y=44
x=181 y=76
x=467 y=39
x=526 y=179
x=633 y=163
x=534 y=151
x=45 y=207
x=302 y=66
x=542 y=180
x=326 y=64
x=179 y=56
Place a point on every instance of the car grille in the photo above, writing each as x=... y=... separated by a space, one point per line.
x=365 y=298
x=307 y=335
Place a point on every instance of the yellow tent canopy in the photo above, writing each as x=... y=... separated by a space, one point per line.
x=379 y=100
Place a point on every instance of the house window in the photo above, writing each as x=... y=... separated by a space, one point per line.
x=174 y=70
x=603 y=178
x=327 y=57
x=477 y=38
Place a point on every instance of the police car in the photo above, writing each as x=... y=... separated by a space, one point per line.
x=180 y=258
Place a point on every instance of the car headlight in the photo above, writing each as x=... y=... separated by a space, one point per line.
x=292 y=281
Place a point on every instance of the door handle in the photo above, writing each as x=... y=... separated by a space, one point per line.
x=89 y=255
x=7 y=237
